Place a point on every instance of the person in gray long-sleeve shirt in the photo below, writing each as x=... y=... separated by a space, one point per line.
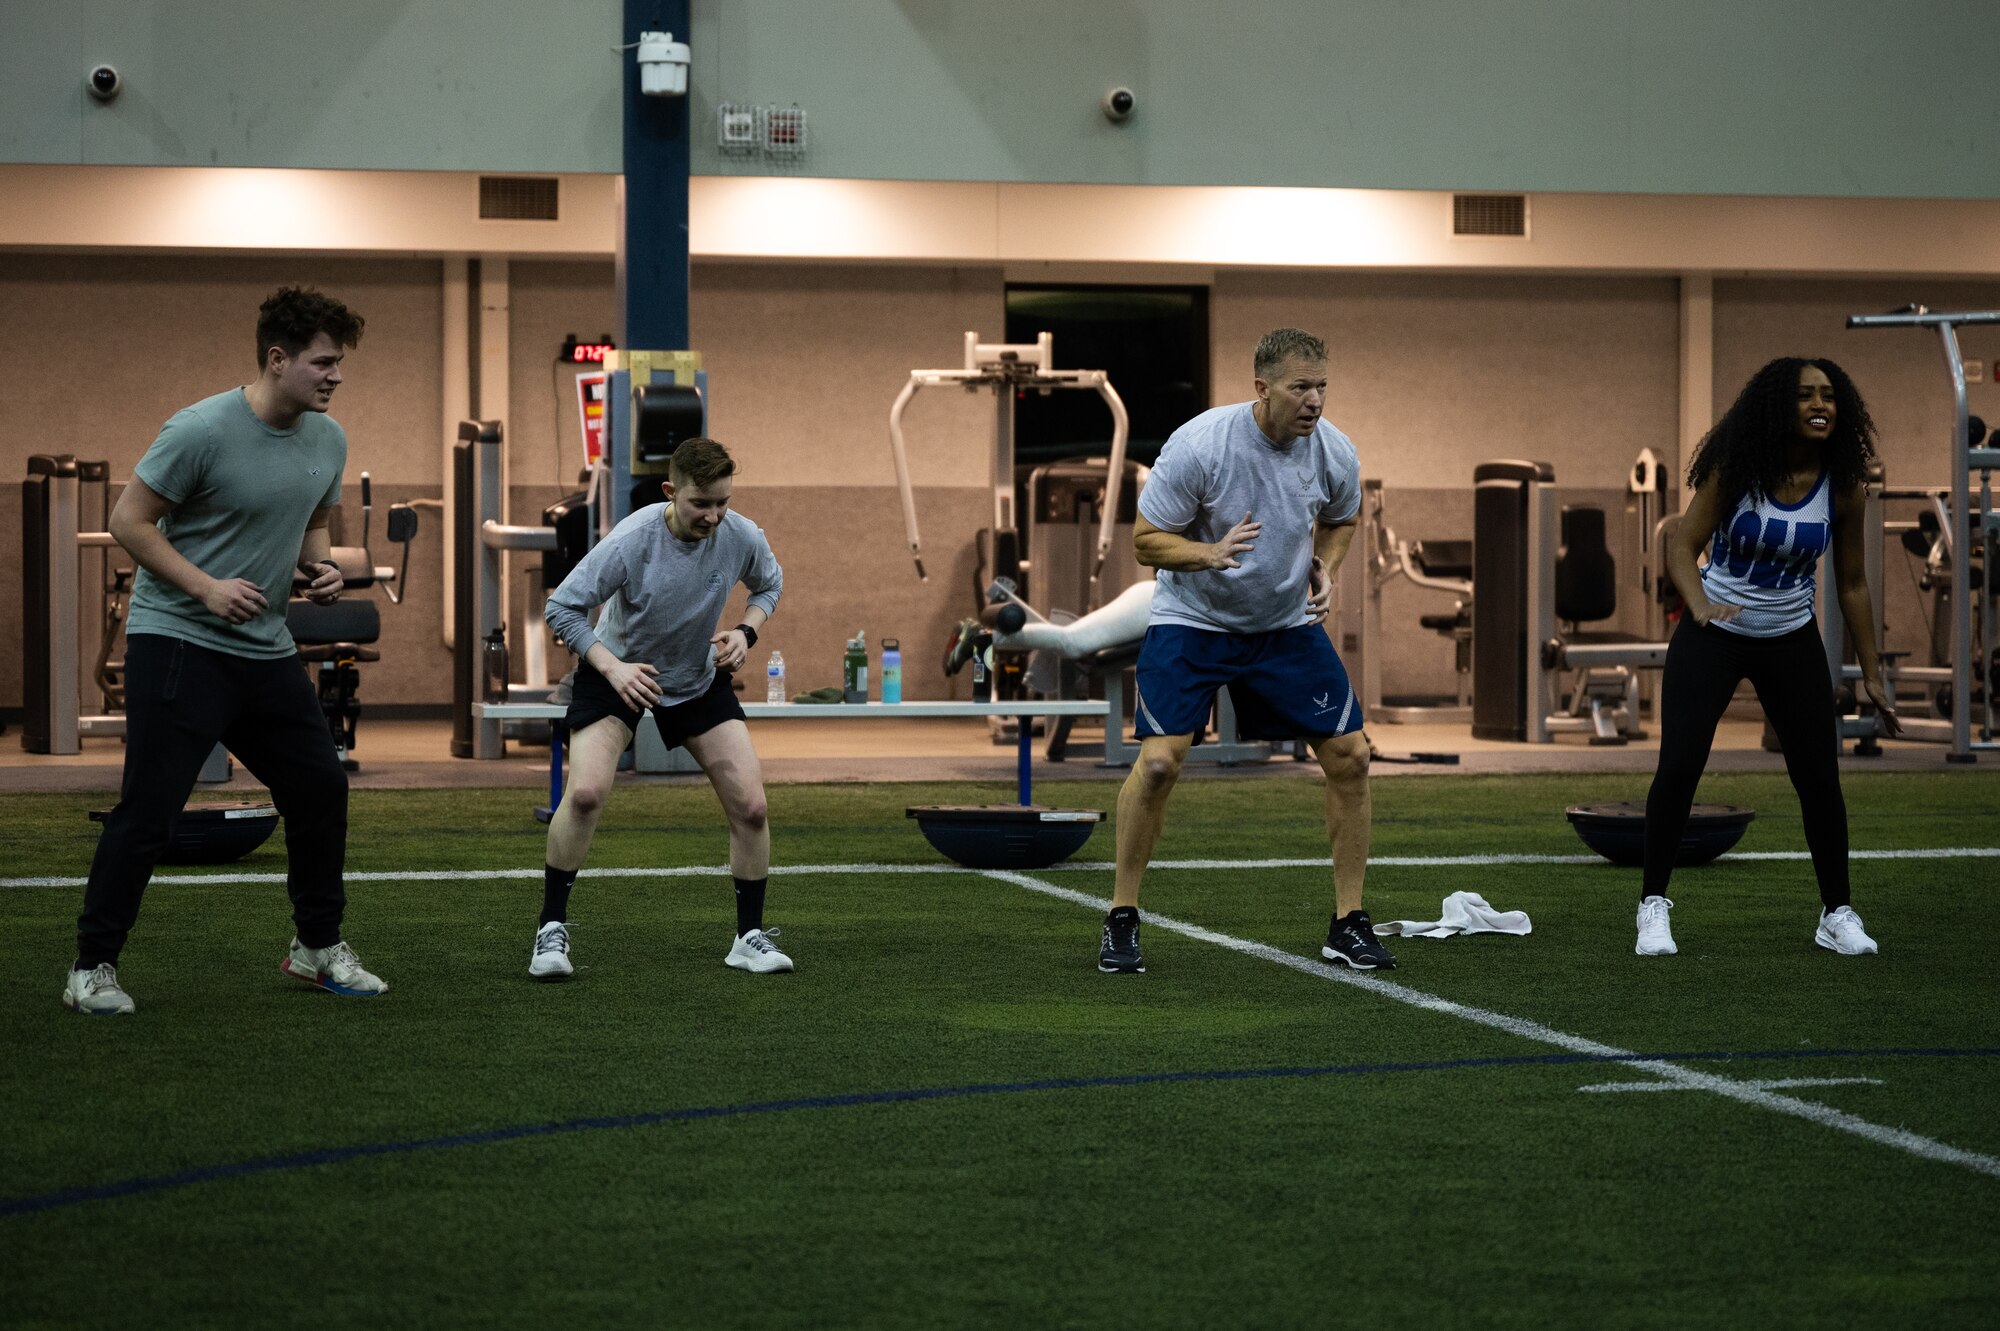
x=664 y=576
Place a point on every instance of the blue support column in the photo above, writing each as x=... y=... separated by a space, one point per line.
x=653 y=200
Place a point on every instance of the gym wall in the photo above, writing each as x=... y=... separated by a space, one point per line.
x=1855 y=97
x=1431 y=374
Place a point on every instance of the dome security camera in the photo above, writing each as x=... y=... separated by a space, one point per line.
x=104 y=83
x=1118 y=103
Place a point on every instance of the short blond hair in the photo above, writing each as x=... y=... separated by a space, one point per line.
x=1283 y=344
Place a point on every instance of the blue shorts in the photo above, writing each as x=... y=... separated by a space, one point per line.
x=1285 y=684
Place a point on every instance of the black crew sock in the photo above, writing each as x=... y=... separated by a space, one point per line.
x=749 y=904
x=556 y=884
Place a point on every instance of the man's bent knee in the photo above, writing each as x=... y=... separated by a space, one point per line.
x=1344 y=759
x=1159 y=771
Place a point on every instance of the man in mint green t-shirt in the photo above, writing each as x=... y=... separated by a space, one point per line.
x=229 y=500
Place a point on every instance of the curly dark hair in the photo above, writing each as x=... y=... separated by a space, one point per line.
x=293 y=316
x=1745 y=452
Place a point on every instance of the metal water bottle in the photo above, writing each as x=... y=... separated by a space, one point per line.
x=495 y=661
x=892 y=670
x=982 y=668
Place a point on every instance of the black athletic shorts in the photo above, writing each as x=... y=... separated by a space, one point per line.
x=592 y=699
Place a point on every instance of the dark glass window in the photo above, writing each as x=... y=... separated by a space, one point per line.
x=1153 y=341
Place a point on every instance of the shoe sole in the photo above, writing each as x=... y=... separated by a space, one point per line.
x=1139 y=969
x=549 y=976
x=1330 y=954
x=321 y=980
x=82 y=1011
x=734 y=964
x=1840 y=951
x=1667 y=951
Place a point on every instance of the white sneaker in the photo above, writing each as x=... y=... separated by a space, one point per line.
x=550 y=959
x=1840 y=931
x=96 y=992
x=1656 y=939
x=756 y=953
x=335 y=969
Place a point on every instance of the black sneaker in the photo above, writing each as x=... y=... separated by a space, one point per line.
x=1351 y=940
x=1120 y=950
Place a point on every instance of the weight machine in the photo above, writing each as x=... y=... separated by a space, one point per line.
x=1376 y=558
x=1009 y=369
x=1541 y=575
x=56 y=639
x=1966 y=527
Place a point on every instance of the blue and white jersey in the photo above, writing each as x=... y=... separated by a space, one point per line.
x=1765 y=558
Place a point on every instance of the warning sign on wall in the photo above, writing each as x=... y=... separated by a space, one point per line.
x=590 y=409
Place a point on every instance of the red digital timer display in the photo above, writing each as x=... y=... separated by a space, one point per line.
x=587 y=353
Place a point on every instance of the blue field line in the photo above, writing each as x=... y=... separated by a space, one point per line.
x=334 y=1155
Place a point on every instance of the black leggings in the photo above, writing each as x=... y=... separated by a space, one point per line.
x=1704 y=665
x=180 y=699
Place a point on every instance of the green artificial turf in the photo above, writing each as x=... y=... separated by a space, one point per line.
x=1344 y=1178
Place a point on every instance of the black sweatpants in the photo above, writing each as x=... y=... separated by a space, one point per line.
x=180 y=699
x=1704 y=665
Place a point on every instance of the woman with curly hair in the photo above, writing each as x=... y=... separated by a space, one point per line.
x=1779 y=479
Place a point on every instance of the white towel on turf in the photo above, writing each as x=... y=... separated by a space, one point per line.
x=1464 y=913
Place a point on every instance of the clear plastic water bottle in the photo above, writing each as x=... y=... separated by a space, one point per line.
x=892 y=670
x=774 y=678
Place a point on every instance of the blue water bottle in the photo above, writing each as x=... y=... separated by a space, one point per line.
x=892 y=670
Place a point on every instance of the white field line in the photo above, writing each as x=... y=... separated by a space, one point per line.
x=1072 y=866
x=1687 y=1078
x=1770 y=1084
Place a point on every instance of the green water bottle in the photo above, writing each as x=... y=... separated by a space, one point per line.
x=854 y=670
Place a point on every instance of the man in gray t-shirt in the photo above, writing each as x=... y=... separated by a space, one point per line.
x=663 y=576
x=1247 y=514
x=230 y=500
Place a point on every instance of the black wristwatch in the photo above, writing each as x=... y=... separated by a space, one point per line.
x=749 y=635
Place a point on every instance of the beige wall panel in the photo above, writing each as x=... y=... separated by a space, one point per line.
x=99 y=350
x=1433 y=374
x=806 y=360
x=548 y=301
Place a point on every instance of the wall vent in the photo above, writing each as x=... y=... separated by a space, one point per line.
x=517 y=198
x=1489 y=214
